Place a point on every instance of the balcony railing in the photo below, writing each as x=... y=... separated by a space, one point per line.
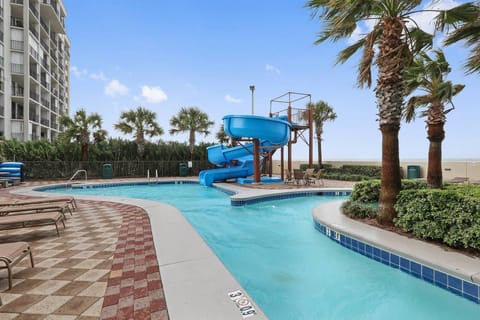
x=17 y=92
x=16 y=68
x=34 y=117
x=16 y=44
x=17 y=1
x=44 y=121
x=16 y=22
x=34 y=53
x=34 y=32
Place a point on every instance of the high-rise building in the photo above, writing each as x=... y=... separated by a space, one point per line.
x=34 y=69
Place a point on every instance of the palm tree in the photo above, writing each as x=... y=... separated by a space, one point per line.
x=322 y=112
x=223 y=138
x=396 y=48
x=466 y=20
x=428 y=75
x=80 y=128
x=191 y=120
x=139 y=122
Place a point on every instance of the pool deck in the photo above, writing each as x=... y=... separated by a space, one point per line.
x=108 y=264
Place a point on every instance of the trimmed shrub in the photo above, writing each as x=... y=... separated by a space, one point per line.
x=356 y=209
x=448 y=216
x=369 y=191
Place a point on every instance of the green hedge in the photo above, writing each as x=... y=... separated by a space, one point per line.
x=369 y=191
x=449 y=216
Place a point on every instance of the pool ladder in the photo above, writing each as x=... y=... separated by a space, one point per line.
x=148 y=176
x=75 y=174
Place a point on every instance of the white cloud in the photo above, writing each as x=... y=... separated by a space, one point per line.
x=77 y=72
x=231 y=99
x=153 y=94
x=425 y=20
x=114 y=88
x=98 y=76
x=273 y=69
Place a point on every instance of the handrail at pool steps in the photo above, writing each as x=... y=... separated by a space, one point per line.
x=75 y=174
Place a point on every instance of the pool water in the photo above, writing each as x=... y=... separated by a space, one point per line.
x=290 y=269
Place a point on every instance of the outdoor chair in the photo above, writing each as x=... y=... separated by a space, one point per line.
x=298 y=175
x=11 y=254
x=288 y=177
x=318 y=178
x=309 y=176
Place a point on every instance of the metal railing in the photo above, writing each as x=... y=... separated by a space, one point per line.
x=75 y=174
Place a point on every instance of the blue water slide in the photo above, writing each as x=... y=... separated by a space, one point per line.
x=237 y=162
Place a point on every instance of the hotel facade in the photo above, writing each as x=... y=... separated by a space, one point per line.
x=34 y=69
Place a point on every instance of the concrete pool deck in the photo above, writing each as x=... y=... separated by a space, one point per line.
x=194 y=282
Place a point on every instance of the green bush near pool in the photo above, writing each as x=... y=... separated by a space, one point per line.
x=451 y=215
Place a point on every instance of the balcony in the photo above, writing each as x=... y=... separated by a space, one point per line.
x=17 y=91
x=1 y=35
x=16 y=68
x=34 y=53
x=45 y=122
x=45 y=102
x=34 y=117
x=34 y=32
x=16 y=45
x=34 y=74
x=16 y=22
x=2 y=61
x=34 y=11
x=52 y=13
x=44 y=25
x=17 y=2
x=35 y=96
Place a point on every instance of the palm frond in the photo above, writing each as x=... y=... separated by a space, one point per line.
x=456 y=16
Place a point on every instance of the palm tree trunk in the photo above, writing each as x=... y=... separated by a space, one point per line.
x=319 y=150
x=436 y=134
x=391 y=180
x=84 y=152
x=192 y=143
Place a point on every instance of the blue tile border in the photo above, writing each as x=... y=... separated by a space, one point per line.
x=458 y=286
x=109 y=184
x=280 y=196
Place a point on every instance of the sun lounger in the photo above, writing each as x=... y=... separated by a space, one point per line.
x=35 y=207
x=9 y=202
x=11 y=254
x=15 y=221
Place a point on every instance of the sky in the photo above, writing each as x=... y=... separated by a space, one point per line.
x=167 y=54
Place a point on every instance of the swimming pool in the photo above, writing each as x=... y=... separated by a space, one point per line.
x=289 y=268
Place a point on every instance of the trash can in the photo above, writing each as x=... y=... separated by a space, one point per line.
x=183 y=169
x=413 y=172
x=107 y=172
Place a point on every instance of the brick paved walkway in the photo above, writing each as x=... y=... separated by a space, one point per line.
x=103 y=265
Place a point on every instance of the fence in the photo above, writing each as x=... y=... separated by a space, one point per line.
x=36 y=170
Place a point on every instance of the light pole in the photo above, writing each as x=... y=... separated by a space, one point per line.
x=252 y=88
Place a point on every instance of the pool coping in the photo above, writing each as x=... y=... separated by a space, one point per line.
x=421 y=259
